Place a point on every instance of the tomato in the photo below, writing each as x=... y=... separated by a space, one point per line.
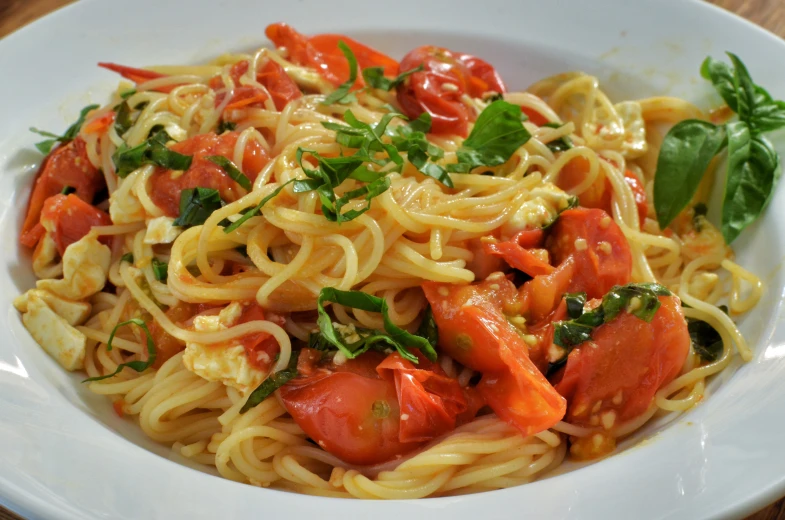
x=321 y=52
x=66 y=165
x=516 y=252
x=600 y=193
x=281 y=87
x=137 y=75
x=167 y=345
x=598 y=246
x=371 y=409
x=612 y=378
x=542 y=294
x=534 y=116
x=167 y=185
x=438 y=89
x=475 y=332
x=69 y=218
x=260 y=348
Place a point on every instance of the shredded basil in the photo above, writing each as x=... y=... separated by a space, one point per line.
x=122 y=120
x=639 y=299
x=160 y=270
x=575 y=303
x=127 y=93
x=273 y=382
x=128 y=257
x=561 y=144
x=393 y=336
x=706 y=341
x=152 y=151
x=67 y=190
x=374 y=77
x=255 y=210
x=753 y=164
x=45 y=147
x=340 y=94
x=497 y=134
x=196 y=206
x=225 y=126
x=231 y=170
x=138 y=366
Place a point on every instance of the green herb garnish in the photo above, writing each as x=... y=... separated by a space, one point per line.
x=231 y=170
x=374 y=77
x=340 y=94
x=128 y=257
x=273 y=382
x=753 y=164
x=45 y=147
x=138 y=366
x=225 y=126
x=561 y=144
x=152 y=151
x=196 y=206
x=160 y=270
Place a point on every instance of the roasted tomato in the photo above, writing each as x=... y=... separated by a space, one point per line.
x=322 y=53
x=371 y=409
x=69 y=218
x=475 y=332
x=612 y=378
x=438 y=89
x=518 y=252
x=279 y=85
x=166 y=185
x=67 y=165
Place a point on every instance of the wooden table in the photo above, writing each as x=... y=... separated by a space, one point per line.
x=767 y=13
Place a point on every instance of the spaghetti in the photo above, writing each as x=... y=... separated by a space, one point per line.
x=235 y=303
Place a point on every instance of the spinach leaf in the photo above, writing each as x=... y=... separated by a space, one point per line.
x=753 y=169
x=138 y=366
x=196 y=206
x=685 y=154
x=273 y=382
x=497 y=134
x=374 y=77
x=45 y=147
x=231 y=170
x=340 y=94
x=395 y=336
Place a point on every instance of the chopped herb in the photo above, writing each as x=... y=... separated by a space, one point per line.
x=706 y=341
x=45 y=147
x=273 y=382
x=160 y=270
x=243 y=250
x=152 y=151
x=497 y=134
x=67 y=190
x=138 y=366
x=639 y=299
x=255 y=210
x=128 y=257
x=196 y=206
x=127 y=93
x=575 y=303
x=231 y=170
x=339 y=94
x=753 y=163
x=374 y=77
x=393 y=336
x=561 y=144
x=225 y=126
x=428 y=328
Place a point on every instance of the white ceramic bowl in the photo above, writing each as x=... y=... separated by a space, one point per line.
x=65 y=455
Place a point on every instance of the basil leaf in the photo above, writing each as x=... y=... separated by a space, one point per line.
x=497 y=134
x=225 y=126
x=67 y=190
x=370 y=191
x=685 y=154
x=273 y=382
x=721 y=76
x=428 y=328
x=706 y=341
x=753 y=170
x=138 y=366
x=122 y=120
x=256 y=209
x=745 y=89
x=561 y=144
x=768 y=117
x=575 y=303
x=639 y=299
x=128 y=257
x=374 y=77
x=45 y=147
x=151 y=151
x=160 y=270
x=343 y=90
x=231 y=170
x=401 y=339
x=127 y=93
x=196 y=206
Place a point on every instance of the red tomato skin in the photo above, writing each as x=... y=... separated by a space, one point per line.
x=424 y=91
x=474 y=331
x=602 y=260
x=625 y=363
x=281 y=87
x=260 y=348
x=167 y=345
x=334 y=407
x=71 y=219
x=639 y=194
x=66 y=165
x=166 y=187
x=516 y=252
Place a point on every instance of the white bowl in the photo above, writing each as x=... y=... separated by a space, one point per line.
x=64 y=454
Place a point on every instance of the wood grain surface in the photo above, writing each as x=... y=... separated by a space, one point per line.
x=766 y=13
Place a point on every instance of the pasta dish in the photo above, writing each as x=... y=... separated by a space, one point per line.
x=322 y=270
